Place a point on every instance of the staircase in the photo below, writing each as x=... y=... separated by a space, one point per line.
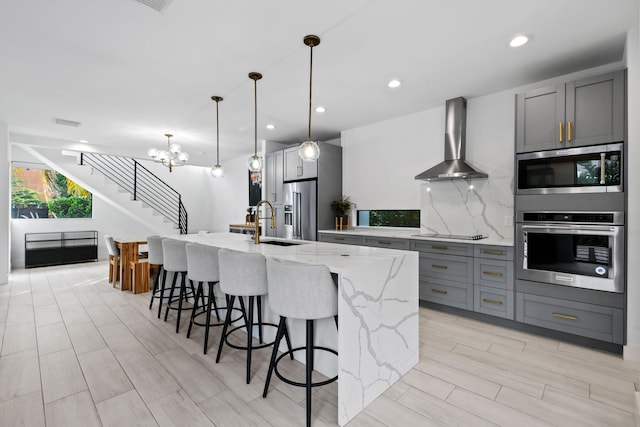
x=130 y=188
x=142 y=184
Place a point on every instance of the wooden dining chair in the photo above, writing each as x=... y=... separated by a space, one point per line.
x=114 y=260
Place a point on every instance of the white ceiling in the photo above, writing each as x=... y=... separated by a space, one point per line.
x=131 y=74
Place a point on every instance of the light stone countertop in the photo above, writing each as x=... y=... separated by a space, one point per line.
x=414 y=233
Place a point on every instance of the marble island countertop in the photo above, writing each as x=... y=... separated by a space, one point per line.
x=414 y=233
x=377 y=336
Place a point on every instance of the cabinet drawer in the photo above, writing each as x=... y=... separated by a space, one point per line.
x=494 y=273
x=344 y=239
x=390 y=243
x=493 y=252
x=447 y=292
x=449 y=267
x=448 y=248
x=496 y=302
x=589 y=320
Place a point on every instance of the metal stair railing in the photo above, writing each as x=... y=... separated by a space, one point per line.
x=142 y=184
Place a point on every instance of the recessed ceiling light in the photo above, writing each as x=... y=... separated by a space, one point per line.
x=320 y=109
x=84 y=141
x=394 y=83
x=518 y=41
x=271 y=126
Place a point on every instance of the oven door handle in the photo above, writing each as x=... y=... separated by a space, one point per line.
x=609 y=229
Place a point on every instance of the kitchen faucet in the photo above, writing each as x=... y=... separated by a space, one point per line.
x=256 y=235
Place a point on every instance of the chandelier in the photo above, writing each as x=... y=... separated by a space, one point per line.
x=172 y=157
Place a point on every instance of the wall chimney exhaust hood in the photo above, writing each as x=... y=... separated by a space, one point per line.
x=454 y=165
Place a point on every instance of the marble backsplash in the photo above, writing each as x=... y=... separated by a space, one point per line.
x=452 y=207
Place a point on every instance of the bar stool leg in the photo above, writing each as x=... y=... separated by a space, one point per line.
x=155 y=286
x=249 y=337
x=193 y=311
x=164 y=283
x=183 y=295
x=206 y=328
x=309 y=368
x=173 y=287
x=260 y=318
x=227 y=321
x=213 y=295
x=282 y=327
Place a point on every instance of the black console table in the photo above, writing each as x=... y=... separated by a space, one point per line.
x=57 y=248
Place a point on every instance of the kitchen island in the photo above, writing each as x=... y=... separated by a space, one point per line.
x=377 y=339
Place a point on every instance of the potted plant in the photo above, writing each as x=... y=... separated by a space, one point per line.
x=342 y=207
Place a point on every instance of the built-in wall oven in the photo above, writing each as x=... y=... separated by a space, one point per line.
x=593 y=169
x=580 y=249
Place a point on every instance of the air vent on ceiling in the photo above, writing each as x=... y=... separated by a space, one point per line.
x=67 y=122
x=159 y=5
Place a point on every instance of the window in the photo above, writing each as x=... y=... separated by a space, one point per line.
x=46 y=193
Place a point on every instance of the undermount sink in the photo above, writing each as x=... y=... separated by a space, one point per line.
x=279 y=243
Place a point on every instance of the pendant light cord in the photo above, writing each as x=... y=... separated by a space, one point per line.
x=310 y=86
x=255 y=117
x=217 y=135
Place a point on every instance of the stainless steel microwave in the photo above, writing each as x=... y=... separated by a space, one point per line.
x=594 y=169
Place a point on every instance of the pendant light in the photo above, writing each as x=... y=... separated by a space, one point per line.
x=309 y=150
x=255 y=161
x=217 y=171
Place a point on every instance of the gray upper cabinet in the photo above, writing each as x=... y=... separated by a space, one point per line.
x=295 y=169
x=274 y=176
x=584 y=112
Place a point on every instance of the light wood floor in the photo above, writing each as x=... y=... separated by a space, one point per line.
x=75 y=351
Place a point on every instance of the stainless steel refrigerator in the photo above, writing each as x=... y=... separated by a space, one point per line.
x=300 y=211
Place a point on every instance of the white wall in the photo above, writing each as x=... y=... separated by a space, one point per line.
x=229 y=195
x=632 y=350
x=5 y=204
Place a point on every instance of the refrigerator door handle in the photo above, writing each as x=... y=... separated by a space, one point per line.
x=298 y=214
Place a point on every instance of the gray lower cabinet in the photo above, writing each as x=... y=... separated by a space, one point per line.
x=340 y=238
x=446 y=272
x=386 y=242
x=588 y=320
x=493 y=301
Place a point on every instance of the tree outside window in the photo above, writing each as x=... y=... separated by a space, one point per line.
x=46 y=193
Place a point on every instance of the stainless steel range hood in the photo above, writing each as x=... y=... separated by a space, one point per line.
x=454 y=165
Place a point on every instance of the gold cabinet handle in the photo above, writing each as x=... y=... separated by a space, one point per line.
x=492 y=301
x=439 y=247
x=492 y=252
x=492 y=273
x=568 y=131
x=564 y=316
x=339 y=238
x=438 y=291
x=383 y=243
x=560 y=132
x=439 y=266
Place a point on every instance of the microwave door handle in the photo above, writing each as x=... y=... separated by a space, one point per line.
x=566 y=227
x=603 y=162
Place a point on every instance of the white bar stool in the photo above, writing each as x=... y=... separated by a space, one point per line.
x=300 y=291
x=154 y=248
x=244 y=275
x=202 y=267
x=174 y=256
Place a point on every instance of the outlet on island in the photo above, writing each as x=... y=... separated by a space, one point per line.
x=508 y=221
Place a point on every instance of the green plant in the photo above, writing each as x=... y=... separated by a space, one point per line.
x=70 y=207
x=342 y=206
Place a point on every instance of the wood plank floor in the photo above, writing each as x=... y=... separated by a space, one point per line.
x=76 y=351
